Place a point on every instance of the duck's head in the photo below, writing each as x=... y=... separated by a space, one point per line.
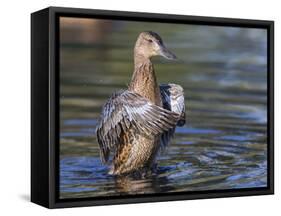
x=150 y=44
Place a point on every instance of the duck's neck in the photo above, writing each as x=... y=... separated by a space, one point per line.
x=144 y=80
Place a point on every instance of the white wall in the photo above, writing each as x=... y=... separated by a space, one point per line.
x=15 y=105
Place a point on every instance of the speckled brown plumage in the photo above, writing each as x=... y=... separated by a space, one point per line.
x=144 y=82
x=135 y=123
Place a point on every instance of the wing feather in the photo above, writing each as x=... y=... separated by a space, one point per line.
x=173 y=100
x=125 y=110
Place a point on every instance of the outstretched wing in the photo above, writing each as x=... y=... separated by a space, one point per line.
x=126 y=109
x=173 y=100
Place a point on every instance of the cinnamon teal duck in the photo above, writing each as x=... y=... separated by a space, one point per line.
x=136 y=123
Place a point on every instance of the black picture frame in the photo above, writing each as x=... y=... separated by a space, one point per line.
x=45 y=106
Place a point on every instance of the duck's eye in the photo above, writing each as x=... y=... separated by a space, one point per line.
x=150 y=41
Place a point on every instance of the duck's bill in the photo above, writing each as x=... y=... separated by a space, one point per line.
x=167 y=54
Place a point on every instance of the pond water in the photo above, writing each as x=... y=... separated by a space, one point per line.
x=224 y=142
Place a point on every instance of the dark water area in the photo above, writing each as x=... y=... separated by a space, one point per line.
x=224 y=142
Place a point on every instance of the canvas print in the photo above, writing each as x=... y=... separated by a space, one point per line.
x=159 y=108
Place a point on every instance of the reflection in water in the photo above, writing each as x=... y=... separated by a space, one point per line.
x=146 y=185
x=223 y=144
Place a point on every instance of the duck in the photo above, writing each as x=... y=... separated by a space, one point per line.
x=136 y=123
